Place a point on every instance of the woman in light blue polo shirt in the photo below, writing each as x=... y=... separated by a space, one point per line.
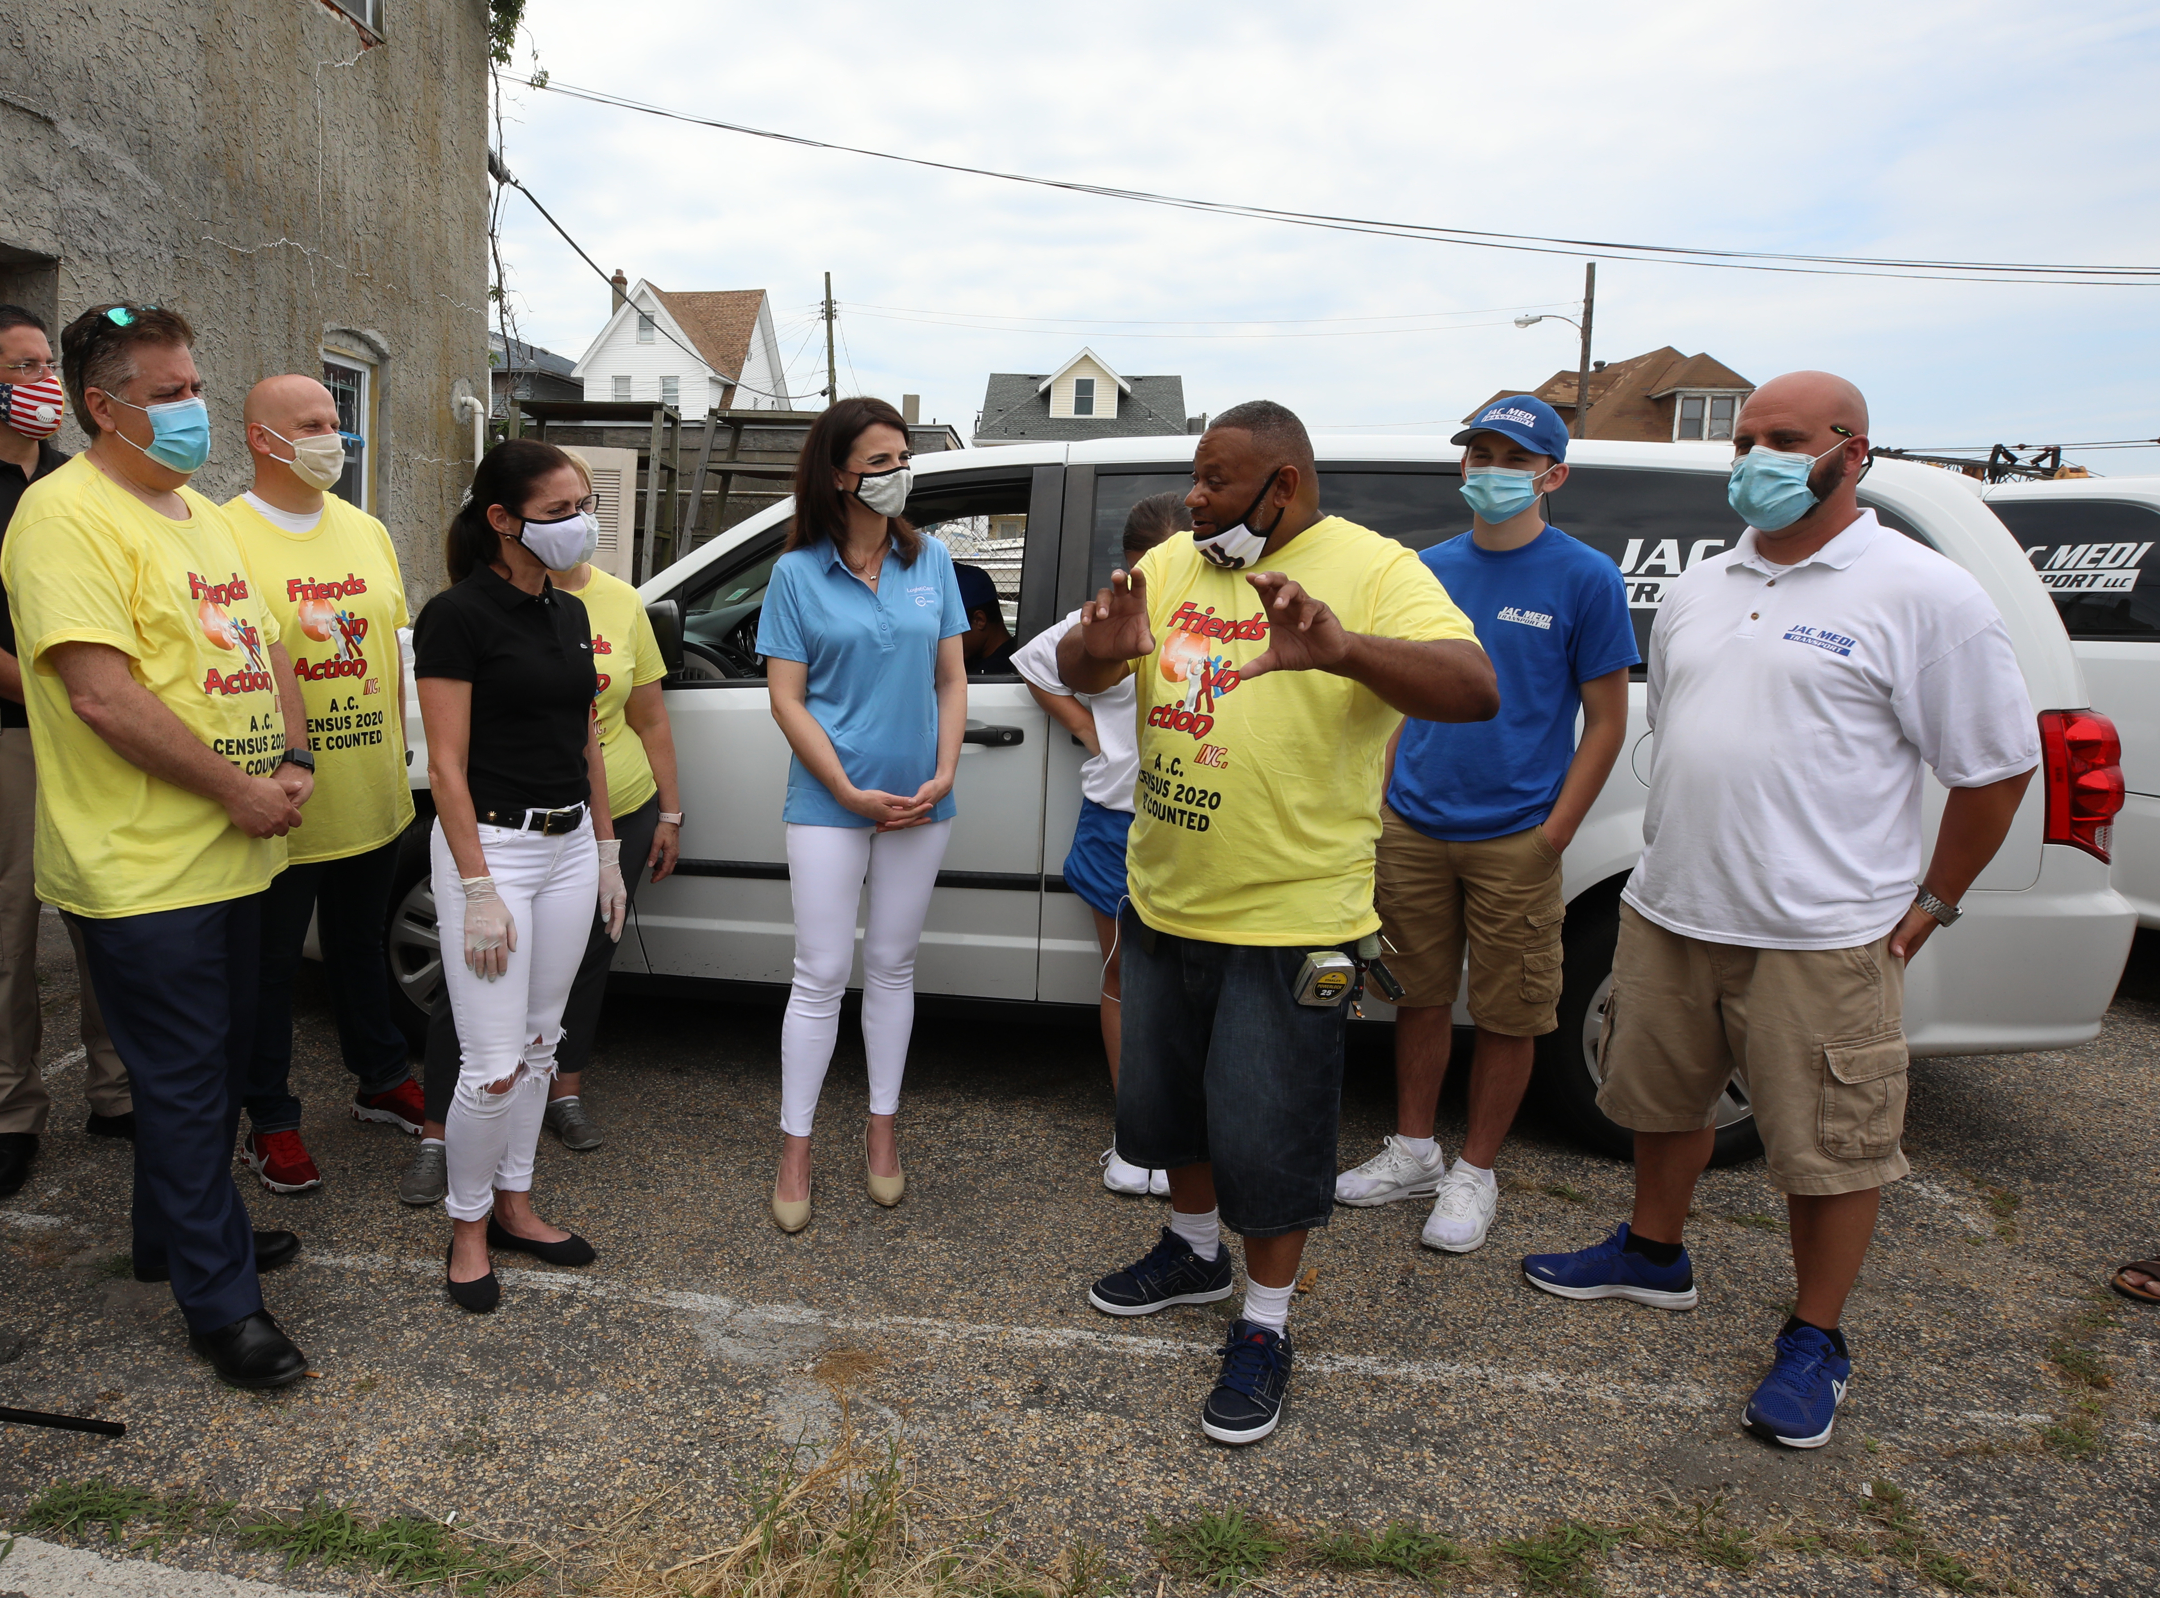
x=861 y=634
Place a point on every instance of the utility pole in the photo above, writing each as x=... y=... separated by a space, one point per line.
x=1582 y=370
x=832 y=373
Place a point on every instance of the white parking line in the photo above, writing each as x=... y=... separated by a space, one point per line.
x=26 y=1218
x=734 y=1313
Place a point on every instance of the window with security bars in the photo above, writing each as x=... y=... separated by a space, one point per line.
x=348 y=381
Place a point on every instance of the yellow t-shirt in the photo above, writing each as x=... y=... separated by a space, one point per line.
x=339 y=601
x=1258 y=805
x=626 y=655
x=86 y=562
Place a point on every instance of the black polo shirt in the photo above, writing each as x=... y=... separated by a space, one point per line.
x=12 y=484
x=529 y=660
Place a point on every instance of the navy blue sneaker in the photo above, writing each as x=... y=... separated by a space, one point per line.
x=1170 y=1274
x=1797 y=1403
x=1609 y=1271
x=1248 y=1396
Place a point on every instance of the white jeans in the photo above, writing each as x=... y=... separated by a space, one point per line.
x=826 y=869
x=509 y=1027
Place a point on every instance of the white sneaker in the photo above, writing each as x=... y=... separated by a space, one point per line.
x=1158 y=1184
x=1394 y=1173
x=1119 y=1177
x=1463 y=1213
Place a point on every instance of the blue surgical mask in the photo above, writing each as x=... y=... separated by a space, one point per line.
x=1497 y=493
x=179 y=433
x=1769 y=487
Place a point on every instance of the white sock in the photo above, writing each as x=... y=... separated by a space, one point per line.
x=1203 y=1232
x=1483 y=1173
x=1423 y=1147
x=436 y=1141
x=1268 y=1306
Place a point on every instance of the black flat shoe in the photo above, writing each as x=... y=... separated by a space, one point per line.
x=272 y=1249
x=111 y=1125
x=17 y=1150
x=480 y=1297
x=572 y=1250
x=251 y=1352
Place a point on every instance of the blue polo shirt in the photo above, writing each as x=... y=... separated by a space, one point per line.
x=1552 y=615
x=873 y=668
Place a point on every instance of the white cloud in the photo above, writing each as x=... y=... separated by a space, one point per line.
x=1937 y=130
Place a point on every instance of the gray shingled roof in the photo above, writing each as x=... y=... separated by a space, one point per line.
x=529 y=358
x=1013 y=410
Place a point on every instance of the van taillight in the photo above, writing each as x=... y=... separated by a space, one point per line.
x=2081 y=758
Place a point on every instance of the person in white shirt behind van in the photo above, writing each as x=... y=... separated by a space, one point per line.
x=1106 y=724
x=1797 y=685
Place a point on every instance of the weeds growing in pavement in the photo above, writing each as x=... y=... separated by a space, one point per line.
x=1566 y=1194
x=1403 y=1548
x=410 y=1549
x=117 y=1265
x=1903 y=1540
x=1706 y=1530
x=1759 y=1223
x=1224 y=1548
x=70 y=1509
x=1555 y=1561
x=2077 y=1435
x=2080 y=1365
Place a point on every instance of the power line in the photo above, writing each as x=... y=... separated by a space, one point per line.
x=2063 y=274
x=1194 y=321
x=1357 y=332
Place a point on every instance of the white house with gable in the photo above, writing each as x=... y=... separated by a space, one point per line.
x=701 y=351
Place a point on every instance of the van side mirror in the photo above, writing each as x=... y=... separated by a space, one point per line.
x=666 y=618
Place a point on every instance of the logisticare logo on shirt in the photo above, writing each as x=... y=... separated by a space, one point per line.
x=325 y=621
x=229 y=632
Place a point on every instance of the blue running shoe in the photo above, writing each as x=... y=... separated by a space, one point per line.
x=1248 y=1396
x=1798 y=1401
x=1609 y=1271
x=1171 y=1273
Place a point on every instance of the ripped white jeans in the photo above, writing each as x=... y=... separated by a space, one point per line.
x=509 y=1027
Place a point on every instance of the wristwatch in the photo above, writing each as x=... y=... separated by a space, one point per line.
x=303 y=758
x=672 y=817
x=1947 y=914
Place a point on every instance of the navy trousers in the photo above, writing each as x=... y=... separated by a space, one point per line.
x=178 y=991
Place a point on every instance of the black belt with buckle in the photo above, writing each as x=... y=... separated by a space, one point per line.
x=548 y=823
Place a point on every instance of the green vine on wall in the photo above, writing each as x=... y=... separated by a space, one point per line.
x=503 y=19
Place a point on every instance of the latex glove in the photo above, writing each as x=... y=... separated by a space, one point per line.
x=614 y=897
x=490 y=933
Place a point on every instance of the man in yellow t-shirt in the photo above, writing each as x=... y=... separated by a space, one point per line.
x=1276 y=649
x=329 y=575
x=169 y=738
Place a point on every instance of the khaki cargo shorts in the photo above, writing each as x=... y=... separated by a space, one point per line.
x=1816 y=1035
x=1500 y=895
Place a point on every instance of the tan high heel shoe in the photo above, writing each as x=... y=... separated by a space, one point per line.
x=885 y=1190
x=790 y=1215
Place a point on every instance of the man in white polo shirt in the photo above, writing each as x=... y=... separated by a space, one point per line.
x=1798 y=683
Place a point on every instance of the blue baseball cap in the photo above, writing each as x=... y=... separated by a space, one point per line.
x=1526 y=419
x=977 y=590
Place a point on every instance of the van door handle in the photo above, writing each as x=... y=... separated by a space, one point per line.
x=993 y=737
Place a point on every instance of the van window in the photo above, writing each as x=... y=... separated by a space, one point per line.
x=981 y=520
x=2097 y=557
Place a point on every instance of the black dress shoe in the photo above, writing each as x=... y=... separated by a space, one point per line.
x=111 y=1125
x=251 y=1352
x=572 y=1250
x=480 y=1297
x=17 y=1150
x=272 y=1249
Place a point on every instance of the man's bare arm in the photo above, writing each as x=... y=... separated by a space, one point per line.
x=1446 y=679
x=1975 y=822
x=1604 y=703
x=11 y=686
x=109 y=701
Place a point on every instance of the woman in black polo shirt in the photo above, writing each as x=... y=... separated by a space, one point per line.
x=523 y=847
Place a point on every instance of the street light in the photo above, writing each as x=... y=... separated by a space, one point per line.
x=1581 y=429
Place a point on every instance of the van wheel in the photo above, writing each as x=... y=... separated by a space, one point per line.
x=1568 y=1072
x=412 y=943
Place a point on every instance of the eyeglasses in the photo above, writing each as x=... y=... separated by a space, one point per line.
x=29 y=371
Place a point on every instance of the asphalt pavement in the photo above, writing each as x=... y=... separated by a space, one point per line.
x=1433 y=1389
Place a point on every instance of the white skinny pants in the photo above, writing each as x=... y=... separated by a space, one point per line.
x=826 y=870
x=509 y=1027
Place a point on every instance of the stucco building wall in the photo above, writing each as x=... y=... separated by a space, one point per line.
x=284 y=184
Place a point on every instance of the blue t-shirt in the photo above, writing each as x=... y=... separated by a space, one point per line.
x=1552 y=615
x=873 y=668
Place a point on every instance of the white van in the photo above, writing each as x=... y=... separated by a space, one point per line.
x=2031 y=966
x=2095 y=542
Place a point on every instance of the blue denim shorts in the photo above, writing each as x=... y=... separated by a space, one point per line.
x=1095 y=865
x=1222 y=1064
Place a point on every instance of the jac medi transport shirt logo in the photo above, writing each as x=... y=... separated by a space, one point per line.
x=1528 y=618
x=2088 y=568
x=1821 y=638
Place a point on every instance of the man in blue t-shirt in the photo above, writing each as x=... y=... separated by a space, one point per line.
x=1478 y=813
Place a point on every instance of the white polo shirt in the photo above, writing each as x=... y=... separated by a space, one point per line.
x=1793 y=707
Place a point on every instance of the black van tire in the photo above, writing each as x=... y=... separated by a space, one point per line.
x=412 y=948
x=1567 y=1074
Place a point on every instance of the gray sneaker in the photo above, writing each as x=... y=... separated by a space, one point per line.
x=427 y=1179
x=567 y=1119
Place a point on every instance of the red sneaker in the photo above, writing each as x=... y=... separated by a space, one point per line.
x=403 y=1107
x=281 y=1160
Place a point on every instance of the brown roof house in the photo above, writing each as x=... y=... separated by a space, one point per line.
x=1661 y=397
x=711 y=350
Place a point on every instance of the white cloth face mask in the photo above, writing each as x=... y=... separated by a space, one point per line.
x=564 y=544
x=885 y=492
x=318 y=462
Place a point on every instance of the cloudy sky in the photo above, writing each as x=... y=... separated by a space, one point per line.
x=1970 y=131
